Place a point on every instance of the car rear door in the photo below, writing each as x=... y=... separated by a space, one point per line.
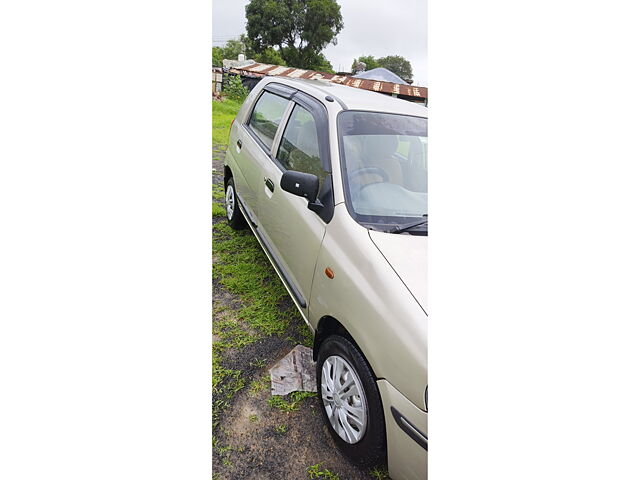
x=294 y=232
x=255 y=141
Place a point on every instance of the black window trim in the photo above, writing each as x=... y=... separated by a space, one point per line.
x=284 y=91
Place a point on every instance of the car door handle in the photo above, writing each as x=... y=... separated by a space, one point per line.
x=239 y=143
x=269 y=183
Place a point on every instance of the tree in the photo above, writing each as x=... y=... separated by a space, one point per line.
x=306 y=59
x=216 y=56
x=232 y=49
x=368 y=60
x=270 y=56
x=320 y=63
x=234 y=89
x=299 y=29
x=398 y=65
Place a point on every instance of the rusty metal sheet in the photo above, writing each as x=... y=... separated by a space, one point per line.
x=262 y=69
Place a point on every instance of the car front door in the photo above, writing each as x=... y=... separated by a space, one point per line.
x=294 y=232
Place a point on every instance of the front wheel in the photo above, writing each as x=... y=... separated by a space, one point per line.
x=350 y=401
x=234 y=215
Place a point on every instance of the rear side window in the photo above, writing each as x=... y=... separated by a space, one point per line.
x=299 y=147
x=266 y=117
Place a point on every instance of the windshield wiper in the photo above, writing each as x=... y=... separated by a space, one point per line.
x=408 y=226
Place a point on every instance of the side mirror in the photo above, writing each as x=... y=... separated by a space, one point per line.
x=300 y=184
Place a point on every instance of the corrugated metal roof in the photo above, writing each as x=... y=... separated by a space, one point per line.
x=262 y=69
x=381 y=74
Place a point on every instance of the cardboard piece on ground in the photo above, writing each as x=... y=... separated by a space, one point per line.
x=296 y=371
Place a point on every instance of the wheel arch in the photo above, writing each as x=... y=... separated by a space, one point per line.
x=328 y=326
x=227 y=174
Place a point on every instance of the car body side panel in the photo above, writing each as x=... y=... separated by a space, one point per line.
x=294 y=232
x=370 y=300
x=230 y=160
x=250 y=160
x=407 y=459
x=236 y=157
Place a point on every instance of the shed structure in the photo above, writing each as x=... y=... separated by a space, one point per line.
x=403 y=91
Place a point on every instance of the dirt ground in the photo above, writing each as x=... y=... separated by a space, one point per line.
x=254 y=440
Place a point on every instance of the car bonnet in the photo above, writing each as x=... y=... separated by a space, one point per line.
x=407 y=255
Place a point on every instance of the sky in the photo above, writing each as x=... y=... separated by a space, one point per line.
x=391 y=27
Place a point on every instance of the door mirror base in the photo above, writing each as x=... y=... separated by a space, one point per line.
x=316 y=206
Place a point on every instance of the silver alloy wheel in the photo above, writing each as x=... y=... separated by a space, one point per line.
x=230 y=200
x=343 y=399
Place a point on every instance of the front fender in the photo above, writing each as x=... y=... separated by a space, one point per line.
x=368 y=298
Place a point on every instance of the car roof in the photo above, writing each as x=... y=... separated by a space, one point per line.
x=353 y=98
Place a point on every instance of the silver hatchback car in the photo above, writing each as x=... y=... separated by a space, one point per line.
x=332 y=180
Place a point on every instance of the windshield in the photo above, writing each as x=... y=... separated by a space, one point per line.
x=384 y=165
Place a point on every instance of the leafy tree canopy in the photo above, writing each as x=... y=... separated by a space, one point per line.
x=306 y=59
x=398 y=65
x=395 y=63
x=368 y=60
x=216 y=56
x=321 y=64
x=299 y=29
x=231 y=50
x=271 y=56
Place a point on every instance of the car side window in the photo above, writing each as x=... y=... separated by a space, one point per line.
x=266 y=117
x=298 y=149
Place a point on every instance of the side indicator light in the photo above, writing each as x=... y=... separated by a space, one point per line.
x=328 y=272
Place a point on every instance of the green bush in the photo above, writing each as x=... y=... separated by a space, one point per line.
x=234 y=89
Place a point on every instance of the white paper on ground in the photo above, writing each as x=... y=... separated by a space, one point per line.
x=296 y=371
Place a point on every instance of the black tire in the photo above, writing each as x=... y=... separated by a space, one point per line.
x=234 y=215
x=371 y=448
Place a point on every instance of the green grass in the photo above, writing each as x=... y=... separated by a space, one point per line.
x=261 y=385
x=296 y=398
x=225 y=384
x=305 y=332
x=258 y=362
x=223 y=114
x=218 y=210
x=243 y=270
x=379 y=473
x=280 y=429
x=315 y=472
x=299 y=396
x=217 y=191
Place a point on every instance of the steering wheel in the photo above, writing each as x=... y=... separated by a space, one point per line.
x=366 y=170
